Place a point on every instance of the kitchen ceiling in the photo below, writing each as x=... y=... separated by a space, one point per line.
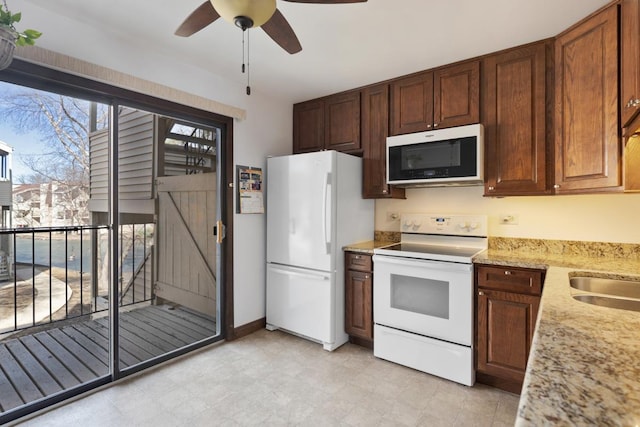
x=344 y=45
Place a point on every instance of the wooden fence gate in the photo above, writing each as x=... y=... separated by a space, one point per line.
x=185 y=241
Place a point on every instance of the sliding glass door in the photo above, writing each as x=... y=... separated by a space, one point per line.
x=168 y=207
x=54 y=291
x=109 y=262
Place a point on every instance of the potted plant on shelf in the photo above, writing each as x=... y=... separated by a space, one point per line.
x=10 y=37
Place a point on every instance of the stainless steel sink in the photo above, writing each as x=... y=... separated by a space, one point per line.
x=613 y=287
x=612 y=293
x=621 y=303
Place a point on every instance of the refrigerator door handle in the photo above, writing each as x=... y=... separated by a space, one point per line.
x=325 y=214
x=295 y=273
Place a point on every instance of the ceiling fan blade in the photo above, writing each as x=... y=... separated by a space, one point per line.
x=204 y=15
x=326 y=1
x=281 y=32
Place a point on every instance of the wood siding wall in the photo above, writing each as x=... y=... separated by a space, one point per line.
x=135 y=162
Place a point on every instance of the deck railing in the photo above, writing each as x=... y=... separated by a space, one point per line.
x=51 y=274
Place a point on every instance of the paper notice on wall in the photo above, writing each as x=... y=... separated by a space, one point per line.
x=249 y=197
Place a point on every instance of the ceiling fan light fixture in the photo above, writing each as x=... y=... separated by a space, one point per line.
x=244 y=12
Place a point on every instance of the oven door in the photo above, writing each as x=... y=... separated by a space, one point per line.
x=430 y=298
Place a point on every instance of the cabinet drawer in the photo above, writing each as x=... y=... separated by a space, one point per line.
x=358 y=261
x=521 y=280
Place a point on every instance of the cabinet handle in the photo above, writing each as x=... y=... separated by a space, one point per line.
x=356 y=256
x=366 y=276
x=491 y=188
x=507 y=272
x=428 y=126
x=384 y=191
x=480 y=293
x=556 y=186
x=435 y=125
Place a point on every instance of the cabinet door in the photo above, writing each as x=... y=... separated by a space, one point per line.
x=506 y=322
x=412 y=104
x=629 y=60
x=514 y=117
x=456 y=95
x=308 y=126
x=587 y=142
x=342 y=122
x=375 y=129
x=359 y=304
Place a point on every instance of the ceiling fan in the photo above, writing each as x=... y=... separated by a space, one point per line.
x=249 y=14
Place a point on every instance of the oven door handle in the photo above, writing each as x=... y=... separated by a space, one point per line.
x=413 y=262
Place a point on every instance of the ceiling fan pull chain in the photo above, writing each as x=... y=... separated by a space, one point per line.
x=248 y=65
x=243 y=31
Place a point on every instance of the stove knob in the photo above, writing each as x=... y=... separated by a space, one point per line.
x=473 y=225
x=416 y=225
x=464 y=225
x=407 y=225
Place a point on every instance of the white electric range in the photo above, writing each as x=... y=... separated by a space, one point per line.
x=423 y=294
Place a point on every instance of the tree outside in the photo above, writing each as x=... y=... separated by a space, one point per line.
x=60 y=164
x=51 y=151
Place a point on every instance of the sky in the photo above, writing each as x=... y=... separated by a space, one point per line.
x=22 y=143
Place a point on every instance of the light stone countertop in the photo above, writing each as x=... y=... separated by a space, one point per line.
x=584 y=365
x=368 y=246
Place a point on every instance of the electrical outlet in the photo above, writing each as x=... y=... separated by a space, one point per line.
x=393 y=216
x=509 y=219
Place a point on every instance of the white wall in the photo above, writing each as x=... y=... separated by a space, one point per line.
x=266 y=130
x=597 y=217
x=265 y=133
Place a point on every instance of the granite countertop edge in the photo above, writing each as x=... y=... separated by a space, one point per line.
x=368 y=246
x=584 y=362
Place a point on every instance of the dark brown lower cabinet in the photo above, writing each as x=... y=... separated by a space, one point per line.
x=506 y=311
x=359 y=298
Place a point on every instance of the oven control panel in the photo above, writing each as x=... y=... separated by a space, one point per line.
x=453 y=225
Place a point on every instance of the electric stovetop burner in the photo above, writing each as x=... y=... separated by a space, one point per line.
x=427 y=249
x=440 y=237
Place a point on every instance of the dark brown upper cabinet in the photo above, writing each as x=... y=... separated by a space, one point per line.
x=629 y=60
x=330 y=123
x=375 y=128
x=587 y=142
x=412 y=104
x=456 y=95
x=308 y=126
x=342 y=122
x=514 y=114
x=445 y=97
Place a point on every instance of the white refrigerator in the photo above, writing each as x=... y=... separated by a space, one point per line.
x=314 y=209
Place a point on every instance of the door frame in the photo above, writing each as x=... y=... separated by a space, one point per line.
x=35 y=76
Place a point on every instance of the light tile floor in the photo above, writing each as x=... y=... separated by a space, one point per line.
x=275 y=379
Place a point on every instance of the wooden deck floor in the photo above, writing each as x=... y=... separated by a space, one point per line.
x=45 y=363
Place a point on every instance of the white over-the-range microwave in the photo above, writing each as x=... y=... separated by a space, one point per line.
x=453 y=156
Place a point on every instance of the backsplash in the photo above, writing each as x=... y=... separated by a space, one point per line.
x=626 y=251
x=583 y=217
x=386 y=236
